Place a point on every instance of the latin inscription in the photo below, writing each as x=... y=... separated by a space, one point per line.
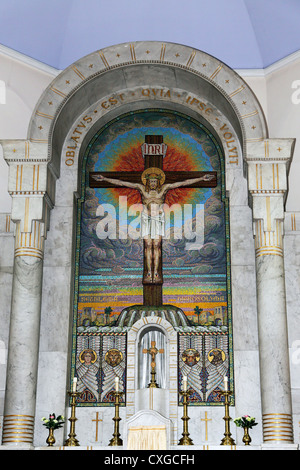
x=230 y=143
x=150 y=93
x=77 y=133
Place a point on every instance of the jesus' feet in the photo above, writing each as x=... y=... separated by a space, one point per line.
x=156 y=278
x=148 y=278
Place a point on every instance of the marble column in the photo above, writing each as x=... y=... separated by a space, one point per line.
x=268 y=165
x=29 y=184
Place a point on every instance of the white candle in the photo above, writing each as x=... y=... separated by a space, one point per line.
x=74 y=384
x=184 y=383
x=117 y=383
x=226 y=383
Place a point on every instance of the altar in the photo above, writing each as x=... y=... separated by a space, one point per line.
x=148 y=250
x=155 y=421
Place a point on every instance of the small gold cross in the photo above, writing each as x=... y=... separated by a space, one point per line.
x=153 y=351
x=206 y=421
x=97 y=421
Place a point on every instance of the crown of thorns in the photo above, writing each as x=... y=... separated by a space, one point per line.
x=152 y=173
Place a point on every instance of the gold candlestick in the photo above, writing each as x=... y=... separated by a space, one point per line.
x=116 y=440
x=185 y=440
x=153 y=383
x=227 y=439
x=72 y=441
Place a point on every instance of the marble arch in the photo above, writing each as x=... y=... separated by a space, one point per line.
x=198 y=80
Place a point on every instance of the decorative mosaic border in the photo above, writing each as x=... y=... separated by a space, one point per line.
x=224 y=199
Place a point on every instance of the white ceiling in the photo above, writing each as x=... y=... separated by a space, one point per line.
x=242 y=33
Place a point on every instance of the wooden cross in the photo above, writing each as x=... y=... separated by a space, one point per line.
x=153 y=351
x=153 y=152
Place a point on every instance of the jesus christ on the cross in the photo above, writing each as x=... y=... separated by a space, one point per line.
x=153 y=192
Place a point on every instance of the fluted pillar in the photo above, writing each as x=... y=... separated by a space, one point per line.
x=268 y=165
x=29 y=185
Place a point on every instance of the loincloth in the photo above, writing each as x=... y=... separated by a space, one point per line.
x=153 y=225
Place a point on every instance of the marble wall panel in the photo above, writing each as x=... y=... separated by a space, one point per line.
x=206 y=424
x=51 y=392
x=86 y=426
x=295 y=366
x=247 y=390
x=296 y=415
x=241 y=236
x=55 y=315
x=66 y=185
x=6 y=252
x=292 y=282
x=5 y=299
x=58 y=246
x=244 y=313
x=237 y=186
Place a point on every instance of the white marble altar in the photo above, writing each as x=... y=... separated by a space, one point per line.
x=148 y=418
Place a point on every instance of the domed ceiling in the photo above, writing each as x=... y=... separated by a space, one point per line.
x=241 y=33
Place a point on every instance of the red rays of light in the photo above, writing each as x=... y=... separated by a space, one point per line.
x=175 y=160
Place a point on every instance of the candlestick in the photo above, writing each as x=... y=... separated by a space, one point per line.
x=185 y=440
x=72 y=441
x=226 y=383
x=116 y=440
x=227 y=439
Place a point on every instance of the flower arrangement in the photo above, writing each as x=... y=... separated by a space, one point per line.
x=245 y=421
x=53 y=421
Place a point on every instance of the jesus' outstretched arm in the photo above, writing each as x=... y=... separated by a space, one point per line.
x=118 y=182
x=187 y=182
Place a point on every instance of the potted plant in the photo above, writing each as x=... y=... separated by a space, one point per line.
x=52 y=423
x=246 y=422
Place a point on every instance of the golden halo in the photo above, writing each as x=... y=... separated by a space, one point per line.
x=190 y=356
x=216 y=352
x=156 y=172
x=113 y=357
x=91 y=351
